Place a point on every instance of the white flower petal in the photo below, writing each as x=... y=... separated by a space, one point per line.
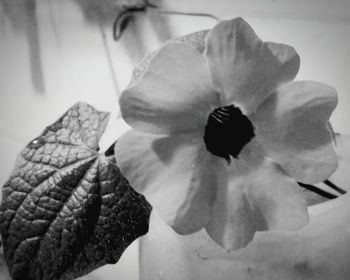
x=255 y=195
x=174 y=94
x=292 y=127
x=244 y=69
x=342 y=148
x=175 y=174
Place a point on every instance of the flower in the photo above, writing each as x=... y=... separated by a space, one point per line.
x=221 y=135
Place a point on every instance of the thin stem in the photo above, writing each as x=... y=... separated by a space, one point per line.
x=109 y=59
x=318 y=191
x=168 y=12
x=334 y=187
x=149 y=5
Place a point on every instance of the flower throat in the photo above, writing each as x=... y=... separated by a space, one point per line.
x=227 y=131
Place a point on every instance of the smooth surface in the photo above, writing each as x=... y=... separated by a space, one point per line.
x=319 y=251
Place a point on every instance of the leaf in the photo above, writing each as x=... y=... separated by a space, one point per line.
x=3 y=268
x=67 y=209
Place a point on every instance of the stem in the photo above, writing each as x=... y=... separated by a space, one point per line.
x=334 y=187
x=109 y=59
x=318 y=191
x=168 y=12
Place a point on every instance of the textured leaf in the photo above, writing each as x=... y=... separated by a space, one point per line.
x=67 y=209
x=3 y=268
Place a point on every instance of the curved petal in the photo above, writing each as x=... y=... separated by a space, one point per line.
x=337 y=183
x=174 y=173
x=292 y=127
x=255 y=195
x=174 y=94
x=245 y=69
x=195 y=40
x=342 y=148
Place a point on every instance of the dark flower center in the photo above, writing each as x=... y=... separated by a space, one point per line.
x=227 y=132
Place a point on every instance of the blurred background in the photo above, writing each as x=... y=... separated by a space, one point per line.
x=55 y=53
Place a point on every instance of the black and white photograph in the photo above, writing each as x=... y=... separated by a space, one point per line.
x=174 y=140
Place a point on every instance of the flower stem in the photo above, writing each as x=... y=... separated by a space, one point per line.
x=334 y=187
x=318 y=191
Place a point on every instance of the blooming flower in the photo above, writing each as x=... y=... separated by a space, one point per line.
x=221 y=135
